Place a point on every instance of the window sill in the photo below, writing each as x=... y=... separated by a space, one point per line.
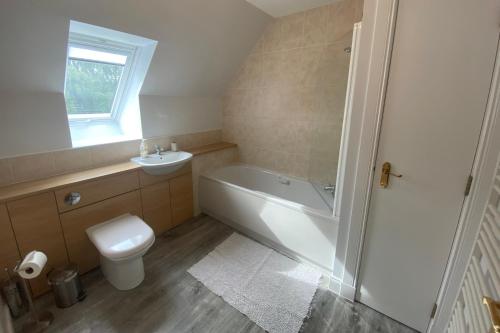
x=96 y=132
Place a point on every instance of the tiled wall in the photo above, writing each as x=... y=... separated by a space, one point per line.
x=43 y=165
x=285 y=107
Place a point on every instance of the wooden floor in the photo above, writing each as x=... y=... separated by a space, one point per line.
x=171 y=300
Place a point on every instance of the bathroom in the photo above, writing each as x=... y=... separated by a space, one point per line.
x=249 y=166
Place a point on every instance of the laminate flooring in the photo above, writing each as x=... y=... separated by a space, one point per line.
x=171 y=300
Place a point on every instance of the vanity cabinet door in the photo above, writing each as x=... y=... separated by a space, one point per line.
x=156 y=207
x=36 y=226
x=9 y=254
x=74 y=223
x=181 y=194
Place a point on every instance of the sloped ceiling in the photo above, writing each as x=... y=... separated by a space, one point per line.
x=201 y=43
x=278 y=8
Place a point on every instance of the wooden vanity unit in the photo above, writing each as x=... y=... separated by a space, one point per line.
x=41 y=215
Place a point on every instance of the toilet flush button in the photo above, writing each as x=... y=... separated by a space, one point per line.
x=72 y=198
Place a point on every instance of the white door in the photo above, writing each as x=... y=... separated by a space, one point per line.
x=439 y=78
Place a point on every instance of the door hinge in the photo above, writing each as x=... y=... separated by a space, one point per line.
x=434 y=309
x=469 y=185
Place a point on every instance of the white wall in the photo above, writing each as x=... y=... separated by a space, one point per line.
x=177 y=115
x=32 y=122
x=33 y=48
x=200 y=47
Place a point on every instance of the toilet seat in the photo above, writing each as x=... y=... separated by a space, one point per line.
x=122 y=237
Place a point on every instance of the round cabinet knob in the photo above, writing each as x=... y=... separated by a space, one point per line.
x=72 y=198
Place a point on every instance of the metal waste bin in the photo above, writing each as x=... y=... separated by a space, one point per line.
x=66 y=285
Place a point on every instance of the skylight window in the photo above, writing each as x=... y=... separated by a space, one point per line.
x=104 y=73
x=82 y=53
x=92 y=82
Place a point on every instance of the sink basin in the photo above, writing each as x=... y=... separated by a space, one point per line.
x=164 y=163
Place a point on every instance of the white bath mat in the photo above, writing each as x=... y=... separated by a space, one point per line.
x=272 y=290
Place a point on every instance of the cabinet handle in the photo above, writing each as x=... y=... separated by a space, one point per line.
x=72 y=198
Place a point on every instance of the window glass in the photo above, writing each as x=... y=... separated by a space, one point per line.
x=92 y=80
x=91 y=87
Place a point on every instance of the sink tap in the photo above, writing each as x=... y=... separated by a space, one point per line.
x=158 y=149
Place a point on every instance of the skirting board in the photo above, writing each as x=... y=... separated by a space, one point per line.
x=341 y=289
x=335 y=285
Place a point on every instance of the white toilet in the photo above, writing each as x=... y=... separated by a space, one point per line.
x=122 y=242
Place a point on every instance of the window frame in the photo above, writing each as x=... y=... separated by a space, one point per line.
x=109 y=46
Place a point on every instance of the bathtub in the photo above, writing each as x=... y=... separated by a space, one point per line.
x=285 y=213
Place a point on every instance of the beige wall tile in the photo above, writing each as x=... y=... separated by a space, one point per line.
x=114 y=152
x=316 y=26
x=342 y=16
x=162 y=141
x=72 y=160
x=272 y=101
x=266 y=158
x=232 y=102
x=273 y=69
x=210 y=137
x=309 y=66
x=259 y=46
x=248 y=153
x=292 y=31
x=272 y=37
x=251 y=103
x=299 y=166
x=289 y=118
x=250 y=74
x=300 y=103
x=31 y=167
x=186 y=141
x=333 y=65
x=331 y=101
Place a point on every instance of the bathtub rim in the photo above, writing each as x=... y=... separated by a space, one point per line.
x=329 y=215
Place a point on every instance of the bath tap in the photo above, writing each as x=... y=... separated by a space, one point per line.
x=329 y=188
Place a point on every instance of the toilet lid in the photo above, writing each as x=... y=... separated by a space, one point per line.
x=121 y=237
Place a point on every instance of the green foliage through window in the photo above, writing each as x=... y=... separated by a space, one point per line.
x=91 y=86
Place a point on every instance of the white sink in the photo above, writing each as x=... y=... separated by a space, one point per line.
x=164 y=163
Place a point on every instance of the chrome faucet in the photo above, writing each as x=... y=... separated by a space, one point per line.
x=158 y=149
x=329 y=188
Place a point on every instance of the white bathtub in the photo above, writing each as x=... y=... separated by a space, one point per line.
x=285 y=213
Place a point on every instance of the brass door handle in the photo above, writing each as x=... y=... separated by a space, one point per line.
x=494 y=312
x=386 y=172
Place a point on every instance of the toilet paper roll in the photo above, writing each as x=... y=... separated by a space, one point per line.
x=32 y=265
